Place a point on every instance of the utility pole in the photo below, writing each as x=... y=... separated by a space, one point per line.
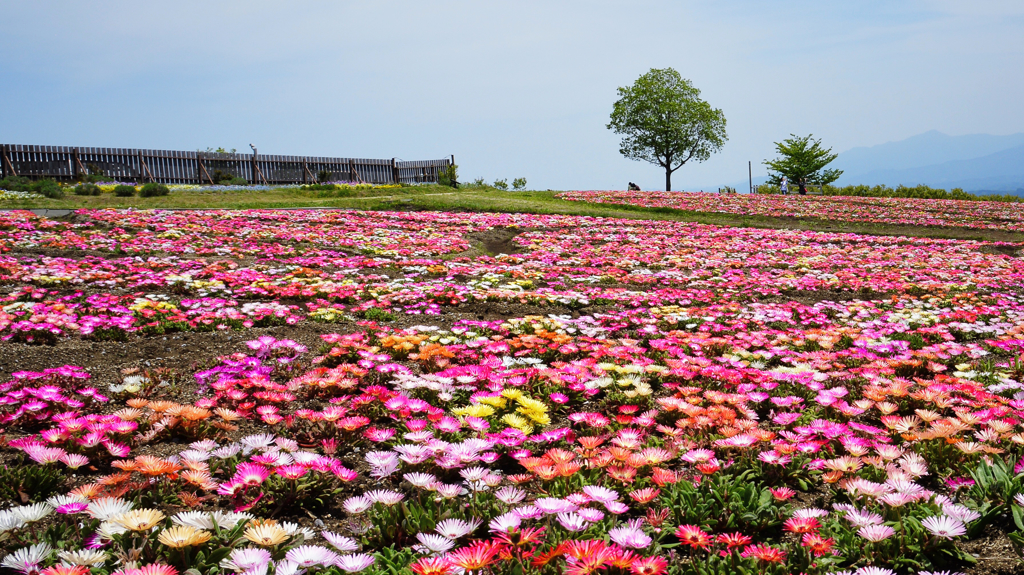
x=750 y=176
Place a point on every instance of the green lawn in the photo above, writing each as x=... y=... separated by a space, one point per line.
x=483 y=199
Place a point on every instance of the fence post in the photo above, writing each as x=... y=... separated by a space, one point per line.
x=394 y=170
x=8 y=168
x=144 y=169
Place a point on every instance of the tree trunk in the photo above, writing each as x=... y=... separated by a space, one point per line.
x=668 y=179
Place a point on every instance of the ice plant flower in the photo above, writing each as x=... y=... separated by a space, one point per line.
x=693 y=536
x=944 y=526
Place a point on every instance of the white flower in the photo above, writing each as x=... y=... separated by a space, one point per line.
x=354 y=563
x=27 y=559
x=340 y=542
x=32 y=513
x=944 y=526
x=106 y=508
x=87 y=557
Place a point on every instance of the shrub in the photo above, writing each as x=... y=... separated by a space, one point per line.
x=153 y=189
x=519 y=184
x=16 y=184
x=87 y=189
x=48 y=188
x=501 y=184
x=124 y=191
x=321 y=187
x=449 y=176
x=324 y=176
x=228 y=179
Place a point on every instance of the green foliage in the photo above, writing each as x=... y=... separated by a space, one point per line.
x=519 y=184
x=153 y=189
x=16 y=184
x=449 y=176
x=725 y=502
x=479 y=183
x=920 y=191
x=219 y=150
x=663 y=121
x=378 y=314
x=995 y=485
x=23 y=484
x=48 y=188
x=500 y=184
x=124 y=191
x=228 y=179
x=324 y=176
x=87 y=189
x=803 y=162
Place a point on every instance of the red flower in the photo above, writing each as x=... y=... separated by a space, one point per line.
x=649 y=566
x=765 y=553
x=693 y=536
x=801 y=525
x=480 y=555
x=431 y=566
x=818 y=545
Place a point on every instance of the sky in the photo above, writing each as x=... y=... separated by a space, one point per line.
x=513 y=89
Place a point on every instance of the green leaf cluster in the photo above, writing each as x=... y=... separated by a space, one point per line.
x=802 y=161
x=663 y=121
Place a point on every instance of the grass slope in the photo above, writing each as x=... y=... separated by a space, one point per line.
x=486 y=199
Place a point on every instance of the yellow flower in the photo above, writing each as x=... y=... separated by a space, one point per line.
x=498 y=402
x=183 y=536
x=513 y=394
x=139 y=519
x=266 y=533
x=474 y=411
x=538 y=417
x=519 y=422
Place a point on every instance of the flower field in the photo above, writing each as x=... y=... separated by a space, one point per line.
x=899 y=211
x=446 y=393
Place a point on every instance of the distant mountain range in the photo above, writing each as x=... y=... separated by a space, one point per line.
x=976 y=163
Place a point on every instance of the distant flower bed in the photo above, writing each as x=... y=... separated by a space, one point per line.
x=10 y=195
x=894 y=211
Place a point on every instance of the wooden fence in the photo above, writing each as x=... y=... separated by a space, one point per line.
x=66 y=163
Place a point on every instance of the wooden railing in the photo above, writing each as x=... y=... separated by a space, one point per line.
x=171 y=167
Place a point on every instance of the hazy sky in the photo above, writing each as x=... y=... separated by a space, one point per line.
x=519 y=88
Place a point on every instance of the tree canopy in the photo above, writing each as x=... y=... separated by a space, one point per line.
x=663 y=121
x=803 y=161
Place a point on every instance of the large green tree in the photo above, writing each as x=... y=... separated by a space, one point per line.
x=803 y=162
x=663 y=121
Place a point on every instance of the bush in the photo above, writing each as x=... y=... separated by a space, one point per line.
x=124 y=191
x=519 y=184
x=449 y=176
x=16 y=184
x=153 y=189
x=324 y=176
x=321 y=187
x=87 y=189
x=228 y=179
x=501 y=184
x=48 y=188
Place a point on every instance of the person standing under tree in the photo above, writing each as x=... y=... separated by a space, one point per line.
x=784 y=186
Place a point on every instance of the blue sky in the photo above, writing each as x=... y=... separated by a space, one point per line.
x=518 y=88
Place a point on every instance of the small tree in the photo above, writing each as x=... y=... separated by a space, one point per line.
x=803 y=161
x=663 y=121
x=519 y=184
